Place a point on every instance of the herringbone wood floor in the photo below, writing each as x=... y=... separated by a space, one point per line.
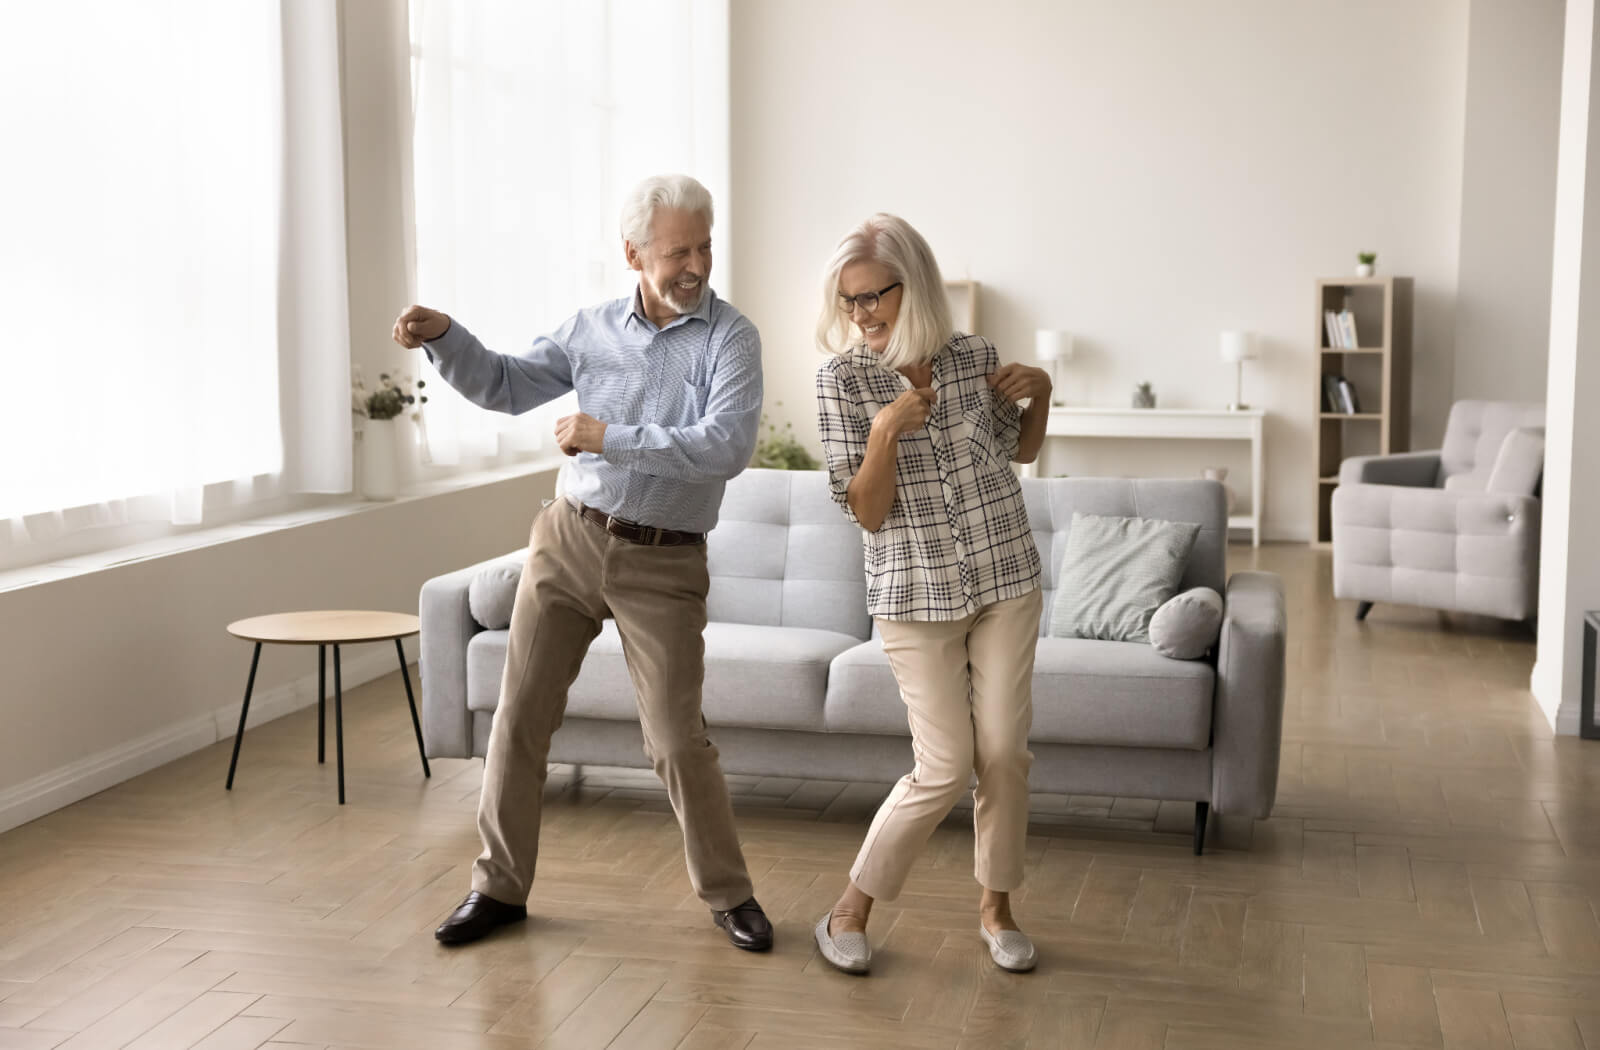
x=1430 y=878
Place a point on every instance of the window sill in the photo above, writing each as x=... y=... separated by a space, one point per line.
x=339 y=507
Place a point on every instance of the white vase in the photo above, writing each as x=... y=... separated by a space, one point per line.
x=1220 y=474
x=380 y=478
x=1363 y=269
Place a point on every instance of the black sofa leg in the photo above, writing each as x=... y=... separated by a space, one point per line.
x=1362 y=610
x=1201 y=811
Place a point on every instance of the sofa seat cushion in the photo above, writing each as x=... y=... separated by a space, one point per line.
x=1120 y=694
x=757 y=677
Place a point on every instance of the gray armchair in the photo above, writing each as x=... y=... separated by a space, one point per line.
x=1454 y=529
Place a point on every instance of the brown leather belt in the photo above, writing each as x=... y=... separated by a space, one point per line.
x=633 y=532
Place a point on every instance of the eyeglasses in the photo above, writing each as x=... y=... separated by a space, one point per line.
x=868 y=301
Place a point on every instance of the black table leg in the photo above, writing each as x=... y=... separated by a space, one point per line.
x=1201 y=811
x=244 y=712
x=338 y=721
x=1586 y=727
x=416 y=723
x=322 y=702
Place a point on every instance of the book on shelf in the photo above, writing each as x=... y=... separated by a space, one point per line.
x=1330 y=394
x=1347 y=396
x=1339 y=396
x=1347 y=329
x=1330 y=321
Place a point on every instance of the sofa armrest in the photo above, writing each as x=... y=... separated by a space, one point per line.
x=1247 y=715
x=447 y=627
x=1413 y=469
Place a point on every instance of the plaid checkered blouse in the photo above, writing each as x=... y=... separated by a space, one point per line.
x=956 y=537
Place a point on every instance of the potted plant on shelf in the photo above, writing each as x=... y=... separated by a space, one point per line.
x=1144 y=396
x=381 y=444
x=1364 y=261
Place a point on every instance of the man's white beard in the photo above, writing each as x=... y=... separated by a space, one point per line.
x=672 y=295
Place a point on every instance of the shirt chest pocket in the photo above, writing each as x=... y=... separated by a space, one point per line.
x=978 y=428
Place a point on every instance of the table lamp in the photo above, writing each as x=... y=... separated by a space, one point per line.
x=1054 y=346
x=1236 y=347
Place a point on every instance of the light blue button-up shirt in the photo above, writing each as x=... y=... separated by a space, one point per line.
x=682 y=403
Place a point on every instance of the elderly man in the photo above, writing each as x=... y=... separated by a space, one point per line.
x=669 y=387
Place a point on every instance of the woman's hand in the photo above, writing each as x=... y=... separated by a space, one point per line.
x=1015 y=382
x=905 y=413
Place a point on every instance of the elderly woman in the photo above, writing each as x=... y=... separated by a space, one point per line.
x=920 y=424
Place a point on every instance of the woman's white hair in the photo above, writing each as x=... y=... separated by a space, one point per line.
x=661 y=191
x=923 y=324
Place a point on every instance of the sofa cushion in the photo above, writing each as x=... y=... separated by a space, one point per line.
x=1188 y=624
x=1520 y=464
x=1122 y=694
x=493 y=592
x=1115 y=573
x=756 y=677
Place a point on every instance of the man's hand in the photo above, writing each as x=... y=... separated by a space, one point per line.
x=418 y=325
x=905 y=413
x=1015 y=382
x=580 y=433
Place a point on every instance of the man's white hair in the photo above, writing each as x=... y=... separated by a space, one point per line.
x=661 y=191
x=923 y=324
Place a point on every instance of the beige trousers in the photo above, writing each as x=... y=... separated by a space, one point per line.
x=577 y=575
x=968 y=689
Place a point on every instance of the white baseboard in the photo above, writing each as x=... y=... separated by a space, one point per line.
x=51 y=791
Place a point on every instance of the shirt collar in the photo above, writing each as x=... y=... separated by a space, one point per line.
x=636 y=314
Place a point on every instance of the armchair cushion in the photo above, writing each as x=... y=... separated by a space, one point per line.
x=1414 y=469
x=1115 y=573
x=1520 y=463
x=1186 y=626
x=493 y=591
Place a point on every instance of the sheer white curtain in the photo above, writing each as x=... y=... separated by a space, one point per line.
x=142 y=201
x=532 y=119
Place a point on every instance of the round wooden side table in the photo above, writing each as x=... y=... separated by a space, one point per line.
x=322 y=629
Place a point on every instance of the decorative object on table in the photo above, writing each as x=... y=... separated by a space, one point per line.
x=1364 y=263
x=389 y=441
x=1053 y=346
x=1236 y=347
x=1220 y=476
x=1143 y=396
x=779 y=450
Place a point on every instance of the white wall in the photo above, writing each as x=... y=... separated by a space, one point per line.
x=1508 y=199
x=1144 y=174
x=1569 y=567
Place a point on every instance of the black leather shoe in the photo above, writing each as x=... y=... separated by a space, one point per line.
x=476 y=917
x=746 y=926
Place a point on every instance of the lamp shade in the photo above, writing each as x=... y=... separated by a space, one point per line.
x=1051 y=344
x=1235 y=346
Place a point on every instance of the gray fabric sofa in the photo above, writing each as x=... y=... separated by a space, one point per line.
x=798 y=686
x=1454 y=529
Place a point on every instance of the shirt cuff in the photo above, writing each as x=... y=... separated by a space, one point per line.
x=620 y=441
x=455 y=338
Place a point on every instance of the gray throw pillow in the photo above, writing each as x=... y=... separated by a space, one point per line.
x=1519 y=464
x=1115 y=573
x=493 y=592
x=1187 y=624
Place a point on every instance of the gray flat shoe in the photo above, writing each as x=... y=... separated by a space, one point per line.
x=848 y=951
x=1010 y=949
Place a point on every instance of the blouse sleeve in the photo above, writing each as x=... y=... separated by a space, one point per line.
x=844 y=427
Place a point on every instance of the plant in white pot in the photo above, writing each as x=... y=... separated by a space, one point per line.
x=385 y=451
x=1364 y=263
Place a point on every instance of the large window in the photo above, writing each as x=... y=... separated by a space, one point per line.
x=532 y=119
x=139 y=204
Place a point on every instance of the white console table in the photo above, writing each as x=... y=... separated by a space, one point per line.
x=1193 y=424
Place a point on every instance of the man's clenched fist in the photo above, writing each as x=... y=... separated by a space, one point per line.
x=580 y=433
x=418 y=325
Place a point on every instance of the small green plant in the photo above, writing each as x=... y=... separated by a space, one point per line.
x=1366 y=258
x=389 y=400
x=778 y=449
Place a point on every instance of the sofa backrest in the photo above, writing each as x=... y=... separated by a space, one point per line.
x=1052 y=501
x=1474 y=433
x=784 y=555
